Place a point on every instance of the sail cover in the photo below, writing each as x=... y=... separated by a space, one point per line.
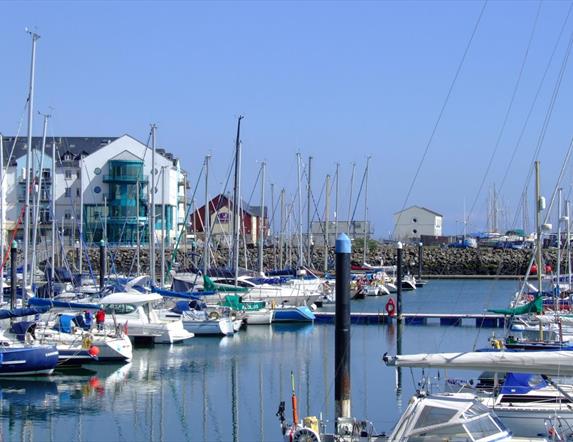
x=552 y=363
x=535 y=306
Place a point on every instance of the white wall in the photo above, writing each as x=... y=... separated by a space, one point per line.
x=416 y=221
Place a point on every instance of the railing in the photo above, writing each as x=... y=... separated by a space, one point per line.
x=125 y=178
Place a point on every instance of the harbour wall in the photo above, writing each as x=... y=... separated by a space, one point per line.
x=437 y=261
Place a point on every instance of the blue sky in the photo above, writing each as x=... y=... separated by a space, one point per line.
x=335 y=80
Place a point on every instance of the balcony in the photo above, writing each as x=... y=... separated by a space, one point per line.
x=128 y=179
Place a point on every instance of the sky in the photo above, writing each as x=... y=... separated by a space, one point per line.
x=338 y=81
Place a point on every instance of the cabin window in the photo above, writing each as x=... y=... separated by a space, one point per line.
x=414 y=220
x=434 y=415
x=415 y=231
x=120 y=309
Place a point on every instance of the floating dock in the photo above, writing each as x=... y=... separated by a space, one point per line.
x=487 y=320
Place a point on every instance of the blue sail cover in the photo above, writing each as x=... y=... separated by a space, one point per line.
x=522 y=383
x=20 y=312
x=173 y=294
x=62 y=304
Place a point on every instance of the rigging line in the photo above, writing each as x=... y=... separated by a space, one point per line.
x=508 y=111
x=549 y=113
x=441 y=113
x=13 y=148
x=535 y=98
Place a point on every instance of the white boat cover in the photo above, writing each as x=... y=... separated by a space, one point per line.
x=552 y=363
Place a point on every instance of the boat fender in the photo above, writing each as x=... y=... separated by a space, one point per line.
x=305 y=435
x=87 y=341
x=214 y=315
x=496 y=344
x=390 y=307
x=313 y=307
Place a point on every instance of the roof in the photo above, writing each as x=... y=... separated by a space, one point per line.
x=74 y=145
x=251 y=210
x=421 y=208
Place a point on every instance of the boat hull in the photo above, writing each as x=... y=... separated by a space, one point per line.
x=293 y=314
x=216 y=327
x=31 y=360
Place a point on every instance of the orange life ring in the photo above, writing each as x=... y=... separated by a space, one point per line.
x=390 y=307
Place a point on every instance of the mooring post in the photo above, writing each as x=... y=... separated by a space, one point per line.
x=399 y=283
x=342 y=331
x=420 y=259
x=101 y=264
x=13 y=268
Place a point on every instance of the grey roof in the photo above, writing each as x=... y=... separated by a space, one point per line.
x=74 y=145
x=420 y=207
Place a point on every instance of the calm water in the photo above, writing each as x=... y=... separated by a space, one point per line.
x=229 y=389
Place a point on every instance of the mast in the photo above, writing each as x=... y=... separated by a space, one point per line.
x=567 y=214
x=38 y=199
x=236 y=197
x=272 y=225
x=281 y=231
x=336 y=202
x=206 y=220
x=309 y=215
x=138 y=239
x=539 y=206
x=152 y=218
x=262 y=219
x=559 y=193
x=326 y=221
x=163 y=227
x=2 y=217
x=350 y=200
x=299 y=210
x=53 y=210
x=366 y=223
x=81 y=227
x=35 y=38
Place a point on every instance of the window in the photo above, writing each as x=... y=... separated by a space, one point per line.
x=68 y=174
x=97 y=170
x=97 y=189
x=67 y=215
x=79 y=174
x=415 y=231
x=68 y=192
x=78 y=191
x=120 y=309
x=414 y=220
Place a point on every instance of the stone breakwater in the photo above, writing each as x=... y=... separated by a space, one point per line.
x=436 y=261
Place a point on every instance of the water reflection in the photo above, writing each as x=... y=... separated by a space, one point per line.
x=220 y=389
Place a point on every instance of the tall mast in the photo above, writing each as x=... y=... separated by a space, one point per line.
x=272 y=225
x=299 y=210
x=163 y=227
x=281 y=230
x=236 y=197
x=35 y=38
x=206 y=220
x=309 y=214
x=366 y=223
x=38 y=199
x=137 y=231
x=326 y=222
x=262 y=219
x=350 y=200
x=53 y=210
x=336 y=202
x=2 y=217
x=81 y=219
x=152 y=218
x=567 y=214
x=559 y=196
x=539 y=206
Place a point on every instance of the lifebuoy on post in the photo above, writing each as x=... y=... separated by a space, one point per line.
x=390 y=307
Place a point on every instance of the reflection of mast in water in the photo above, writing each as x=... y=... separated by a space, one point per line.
x=399 y=369
x=204 y=403
x=235 y=399
x=307 y=379
x=161 y=410
x=261 y=407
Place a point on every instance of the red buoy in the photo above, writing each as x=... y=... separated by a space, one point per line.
x=93 y=351
x=548 y=268
x=534 y=269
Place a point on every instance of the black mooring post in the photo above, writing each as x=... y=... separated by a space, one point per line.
x=420 y=259
x=13 y=268
x=342 y=331
x=101 y=264
x=399 y=283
